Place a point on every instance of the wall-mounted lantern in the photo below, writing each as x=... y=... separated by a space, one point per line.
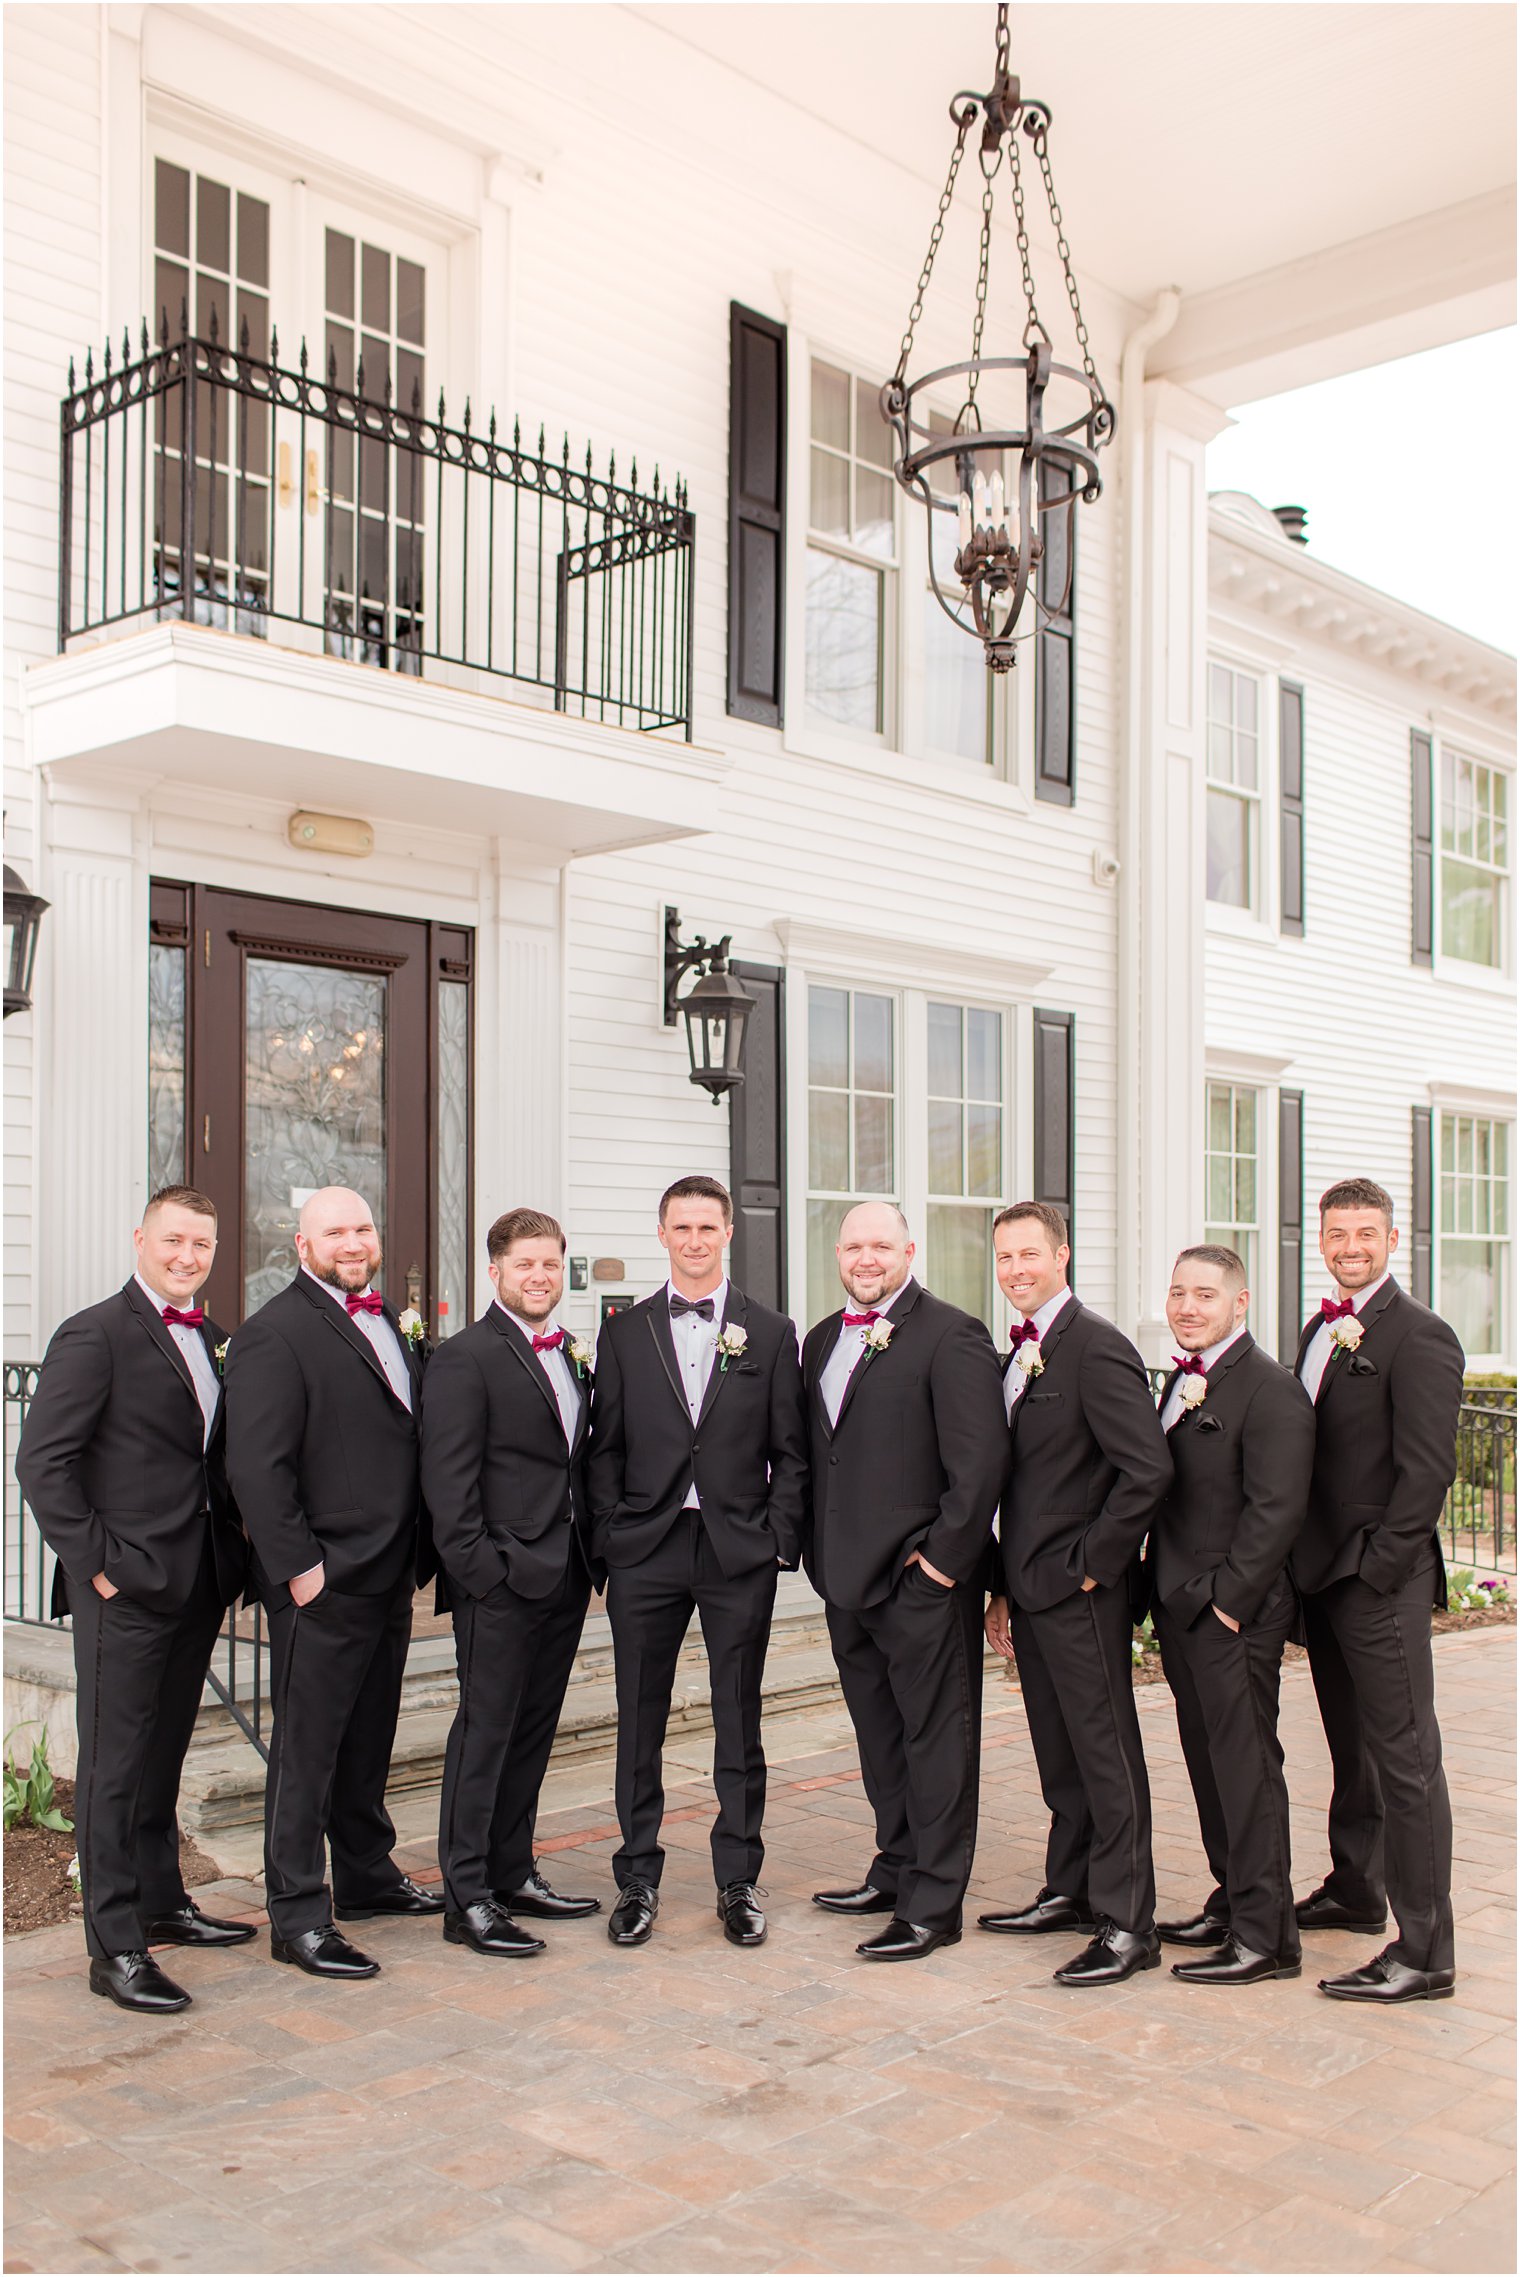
x=23 y=923
x=716 y=1008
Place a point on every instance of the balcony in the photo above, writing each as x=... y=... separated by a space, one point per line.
x=236 y=536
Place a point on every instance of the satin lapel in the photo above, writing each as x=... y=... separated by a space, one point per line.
x=826 y=1345
x=211 y=1337
x=665 y=1345
x=1304 y=1343
x=1048 y=1343
x=734 y=1310
x=337 y=1317
x=901 y=1313
x=1166 y=1393
x=1215 y=1375
x=583 y=1390
x=153 y=1323
x=522 y=1352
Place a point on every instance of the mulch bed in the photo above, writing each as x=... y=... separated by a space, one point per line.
x=38 y=1894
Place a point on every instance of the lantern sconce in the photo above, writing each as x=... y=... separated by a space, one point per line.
x=23 y=923
x=716 y=1008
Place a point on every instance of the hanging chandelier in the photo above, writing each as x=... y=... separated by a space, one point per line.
x=1000 y=488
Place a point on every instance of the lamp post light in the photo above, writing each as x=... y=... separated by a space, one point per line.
x=23 y=923
x=716 y=1008
x=1008 y=481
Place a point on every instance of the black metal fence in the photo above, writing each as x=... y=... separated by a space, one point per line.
x=206 y=483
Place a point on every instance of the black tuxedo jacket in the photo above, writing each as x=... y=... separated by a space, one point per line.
x=1385 y=1448
x=1241 y=1462
x=916 y=1458
x=114 y=1460
x=1086 y=1464
x=747 y=1451
x=321 y=1453
x=505 y=1491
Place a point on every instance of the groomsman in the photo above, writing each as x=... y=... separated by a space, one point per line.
x=1385 y=1376
x=504 y=1414
x=322 y=1394
x=908 y=1451
x=1087 y=1469
x=121 y=1459
x=698 y=1481
x=1240 y=1432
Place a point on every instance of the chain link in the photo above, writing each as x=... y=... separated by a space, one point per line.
x=1042 y=152
x=968 y=119
x=1033 y=327
x=983 y=264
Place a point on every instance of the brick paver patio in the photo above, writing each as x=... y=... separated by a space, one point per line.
x=689 y=2107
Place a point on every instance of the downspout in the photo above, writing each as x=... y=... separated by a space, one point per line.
x=1131 y=1042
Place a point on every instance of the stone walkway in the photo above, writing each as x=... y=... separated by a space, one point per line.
x=688 y=2107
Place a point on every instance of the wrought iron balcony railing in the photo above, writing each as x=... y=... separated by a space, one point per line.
x=205 y=483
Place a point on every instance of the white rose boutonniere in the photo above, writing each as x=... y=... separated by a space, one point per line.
x=410 y=1325
x=1347 y=1333
x=878 y=1335
x=732 y=1343
x=1029 y=1361
x=219 y=1354
x=1193 y=1391
x=579 y=1353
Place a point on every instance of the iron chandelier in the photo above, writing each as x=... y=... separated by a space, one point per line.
x=1009 y=482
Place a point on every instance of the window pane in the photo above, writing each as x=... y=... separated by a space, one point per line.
x=984 y=1150
x=829 y=1140
x=844 y=602
x=873 y=437
x=213 y=225
x=1219 y=694
x=958 y=1261
x=1245 y=1122
x=873 y=1043
x=166 y=1066
x=340 y=274
x=1228 y=850
x=1221 y=1195
x=171 y=208
x=171 y=287
x=1246 y=762
x=253 y=240
x=1221 y=753
x=411 y=301
x=1219 y=1118
x=984 y=1055
x=945 y=1143
x=957 y=686
x=831 y=407
x=1470 y=1285
x=453 y=1300
x=375 y=287
x=873 y=1146
x=830 y=509
x=1469 y=913
x=945 y=1051
x=823 y=1289
x=1245 y=703
x=873 y=512
x=829 y=1036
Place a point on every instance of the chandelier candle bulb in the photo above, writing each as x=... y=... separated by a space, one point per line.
x=999 y=505
x=963 y=520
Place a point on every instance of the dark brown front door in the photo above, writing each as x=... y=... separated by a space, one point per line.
x=311 y=1044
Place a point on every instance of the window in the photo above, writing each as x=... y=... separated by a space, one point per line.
x=374 y=323
x=1232 y=1172
x=852 y=550
x=1474 y=1235
x=965 y=1177
x=1234 y=787
x=957 y=715
x=851 y=1121
x=1474 y=859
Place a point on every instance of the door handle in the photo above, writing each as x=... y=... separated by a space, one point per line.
x=414 y=1287
x=313 y=484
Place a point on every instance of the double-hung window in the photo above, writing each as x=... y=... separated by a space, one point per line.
x=852 y=1121
x=1234 y=788
x=1474 y=1240
x=957 y=686
x=852 y=554
x=1232 y=1167
x=965 y=1152
x=1474 y=860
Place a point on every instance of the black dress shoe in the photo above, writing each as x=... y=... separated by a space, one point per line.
x=1317 y=1911
x=1113 y=1955
x=323 y=1953
x=632 y=1918
x=1202 y=1929
x=189 y=1926
x=739 y=1912
x=404 y=1897
x=135 y=1981
x=489 y=1928
x=535 y=1901
x=867 y=1899
x=1389 y=1980
x=1235 y=1963
x=905 y=1941
x=1050 y=1910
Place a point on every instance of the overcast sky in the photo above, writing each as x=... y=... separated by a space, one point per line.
x=1408 y=472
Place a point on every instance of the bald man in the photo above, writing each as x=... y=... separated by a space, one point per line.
x=322 y=1397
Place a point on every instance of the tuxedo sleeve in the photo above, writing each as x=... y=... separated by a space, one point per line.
x=1277 y=1464
x=61 y=1420
x=1425 y=1396
x=266 y=1422
x=606 y=1461
x=1121 y=1415
x=453 y=1439
x=786 y=1507
x=967 y=1395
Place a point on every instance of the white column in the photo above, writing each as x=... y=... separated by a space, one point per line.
x=1161 y=1134
x=520 y=1080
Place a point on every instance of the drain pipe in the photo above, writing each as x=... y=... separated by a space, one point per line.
x=1131 y=1040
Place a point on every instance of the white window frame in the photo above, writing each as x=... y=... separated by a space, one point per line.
x=1260 y=920
x=888 y=566
x=1455 y=1112
x=1235 y=1071
x=1444 y=960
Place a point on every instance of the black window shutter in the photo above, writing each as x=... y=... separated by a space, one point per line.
x=756 y=514
x=1290 y=746
x=1422 y=822
x=1055 y=1166
x=1290 y=1223
x=757 y=1142
x=1422 y=1232
x=1055 y=688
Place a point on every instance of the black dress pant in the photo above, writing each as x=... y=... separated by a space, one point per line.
x=139 y=1677
x=1226 y=1686
x=1075 y=1664
x=650 y=1606
x=515 y=1655
x=911 y=1672
x=337 y=1666
x=1390 y=1814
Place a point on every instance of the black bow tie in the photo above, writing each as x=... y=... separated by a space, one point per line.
x=701 y=1306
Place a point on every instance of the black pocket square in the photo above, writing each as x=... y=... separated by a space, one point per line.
x=1209 y=1423
x=1362 y=1367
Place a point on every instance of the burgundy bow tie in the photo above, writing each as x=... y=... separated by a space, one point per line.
x=860 y=1319
x=1026 y=1332
x=173 y=1318
x=549 y=1343
x=1188 y=1364
x=1329 y=1310
x=368 y=1302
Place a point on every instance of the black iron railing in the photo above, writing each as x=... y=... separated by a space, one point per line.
x=203 y=482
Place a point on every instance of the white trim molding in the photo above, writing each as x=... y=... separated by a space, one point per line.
x=897 y=960
x=1223 y=1064
x=1472 y=1099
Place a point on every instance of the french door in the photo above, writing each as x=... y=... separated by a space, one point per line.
x=293 y=1046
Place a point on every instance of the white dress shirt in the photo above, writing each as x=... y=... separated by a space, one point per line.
x=1211 y=1352
x=556 y=1367
x=377 y=1330
x=191 y=1346
x=696 y=1343
x=846 y=1356
x=1015 y=1382
x=1322 y=1344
